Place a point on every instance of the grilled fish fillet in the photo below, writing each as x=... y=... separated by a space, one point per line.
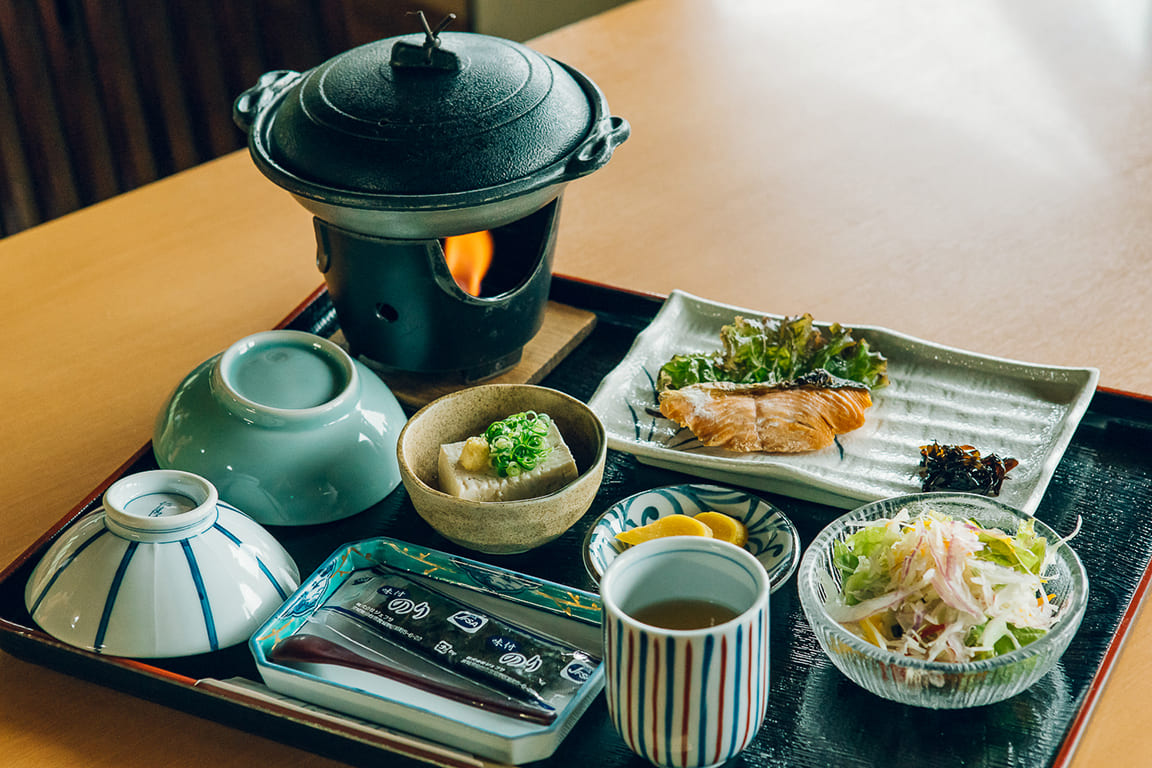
x=805 y=414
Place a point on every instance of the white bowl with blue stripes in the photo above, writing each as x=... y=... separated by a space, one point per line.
x=162 y=569
x=772 y=538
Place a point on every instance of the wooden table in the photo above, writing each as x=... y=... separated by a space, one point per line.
x=974 y=173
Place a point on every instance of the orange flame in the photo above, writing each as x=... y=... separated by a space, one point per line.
x=469 y=257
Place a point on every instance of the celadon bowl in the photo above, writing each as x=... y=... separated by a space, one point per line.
x=162 y=569
x=288 y=427
x=500 y=527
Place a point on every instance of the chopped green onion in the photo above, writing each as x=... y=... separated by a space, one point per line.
x=518 y=443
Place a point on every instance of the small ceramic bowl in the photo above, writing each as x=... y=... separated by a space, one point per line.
x=163 y=569
x=287 y=426
x=941 y=685
x=772 y=538
x=500 y=527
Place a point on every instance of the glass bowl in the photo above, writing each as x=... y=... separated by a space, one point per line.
x=937 y=684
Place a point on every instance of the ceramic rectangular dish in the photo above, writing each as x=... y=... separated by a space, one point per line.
x=568 y=614
x=1025 y=411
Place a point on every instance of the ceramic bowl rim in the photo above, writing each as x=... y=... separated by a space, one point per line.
x=346 y=398
x=761 y=600
x=129 y=525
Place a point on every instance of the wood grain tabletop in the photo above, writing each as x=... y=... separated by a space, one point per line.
x=974 y=173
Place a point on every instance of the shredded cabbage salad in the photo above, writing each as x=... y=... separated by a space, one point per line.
x=940 y=589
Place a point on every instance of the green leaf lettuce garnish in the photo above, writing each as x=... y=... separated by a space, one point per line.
x=1025 y=551
x=867 y=547
x=773 y=351
x=1010 y=638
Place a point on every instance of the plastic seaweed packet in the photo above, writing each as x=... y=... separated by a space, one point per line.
x=330 y=637
x=491 y=650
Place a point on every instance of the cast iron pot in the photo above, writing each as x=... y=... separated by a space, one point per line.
x=416 y=138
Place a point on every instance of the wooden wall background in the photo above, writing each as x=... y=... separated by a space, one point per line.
x=101 y=96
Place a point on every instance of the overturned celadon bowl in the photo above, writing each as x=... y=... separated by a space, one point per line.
x=288 y=427
x=163 y=569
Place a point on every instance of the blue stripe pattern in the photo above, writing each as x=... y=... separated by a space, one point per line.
x=761 y=683
x=705 y=666
x=205 y=608
x=71 y=558
x=235 y=540
x=619 y=665
x=669 y=695
x=641 y=675
x=738 y=673
x=669 y=728
x=113 y=592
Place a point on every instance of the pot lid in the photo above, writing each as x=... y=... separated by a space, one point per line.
x=422 y=115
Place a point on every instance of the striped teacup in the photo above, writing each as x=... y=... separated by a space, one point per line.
x=683 y=693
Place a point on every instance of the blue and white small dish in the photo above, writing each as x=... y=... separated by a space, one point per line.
x=772 y=537
x=163 y=569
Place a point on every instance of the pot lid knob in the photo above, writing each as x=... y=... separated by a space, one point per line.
x=429 y=55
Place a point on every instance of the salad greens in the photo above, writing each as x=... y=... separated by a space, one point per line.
x=773 y=351
x=940 y=589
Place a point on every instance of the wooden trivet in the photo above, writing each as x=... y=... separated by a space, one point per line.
x=564 y=327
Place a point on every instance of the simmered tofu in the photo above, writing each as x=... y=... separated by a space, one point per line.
x=556 y=471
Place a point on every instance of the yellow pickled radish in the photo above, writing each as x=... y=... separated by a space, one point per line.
x=671 y=525
x=725 y=527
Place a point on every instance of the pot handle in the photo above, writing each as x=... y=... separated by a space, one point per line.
x=596 y=150
x=253 y=101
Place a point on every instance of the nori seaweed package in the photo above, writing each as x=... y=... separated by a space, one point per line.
x=464 y=639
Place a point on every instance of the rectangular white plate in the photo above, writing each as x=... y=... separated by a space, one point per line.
x=1013 y=409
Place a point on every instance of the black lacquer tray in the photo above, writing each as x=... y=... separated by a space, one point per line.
x=816 y=717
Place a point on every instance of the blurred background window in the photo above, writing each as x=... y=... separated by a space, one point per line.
x=98 y=97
